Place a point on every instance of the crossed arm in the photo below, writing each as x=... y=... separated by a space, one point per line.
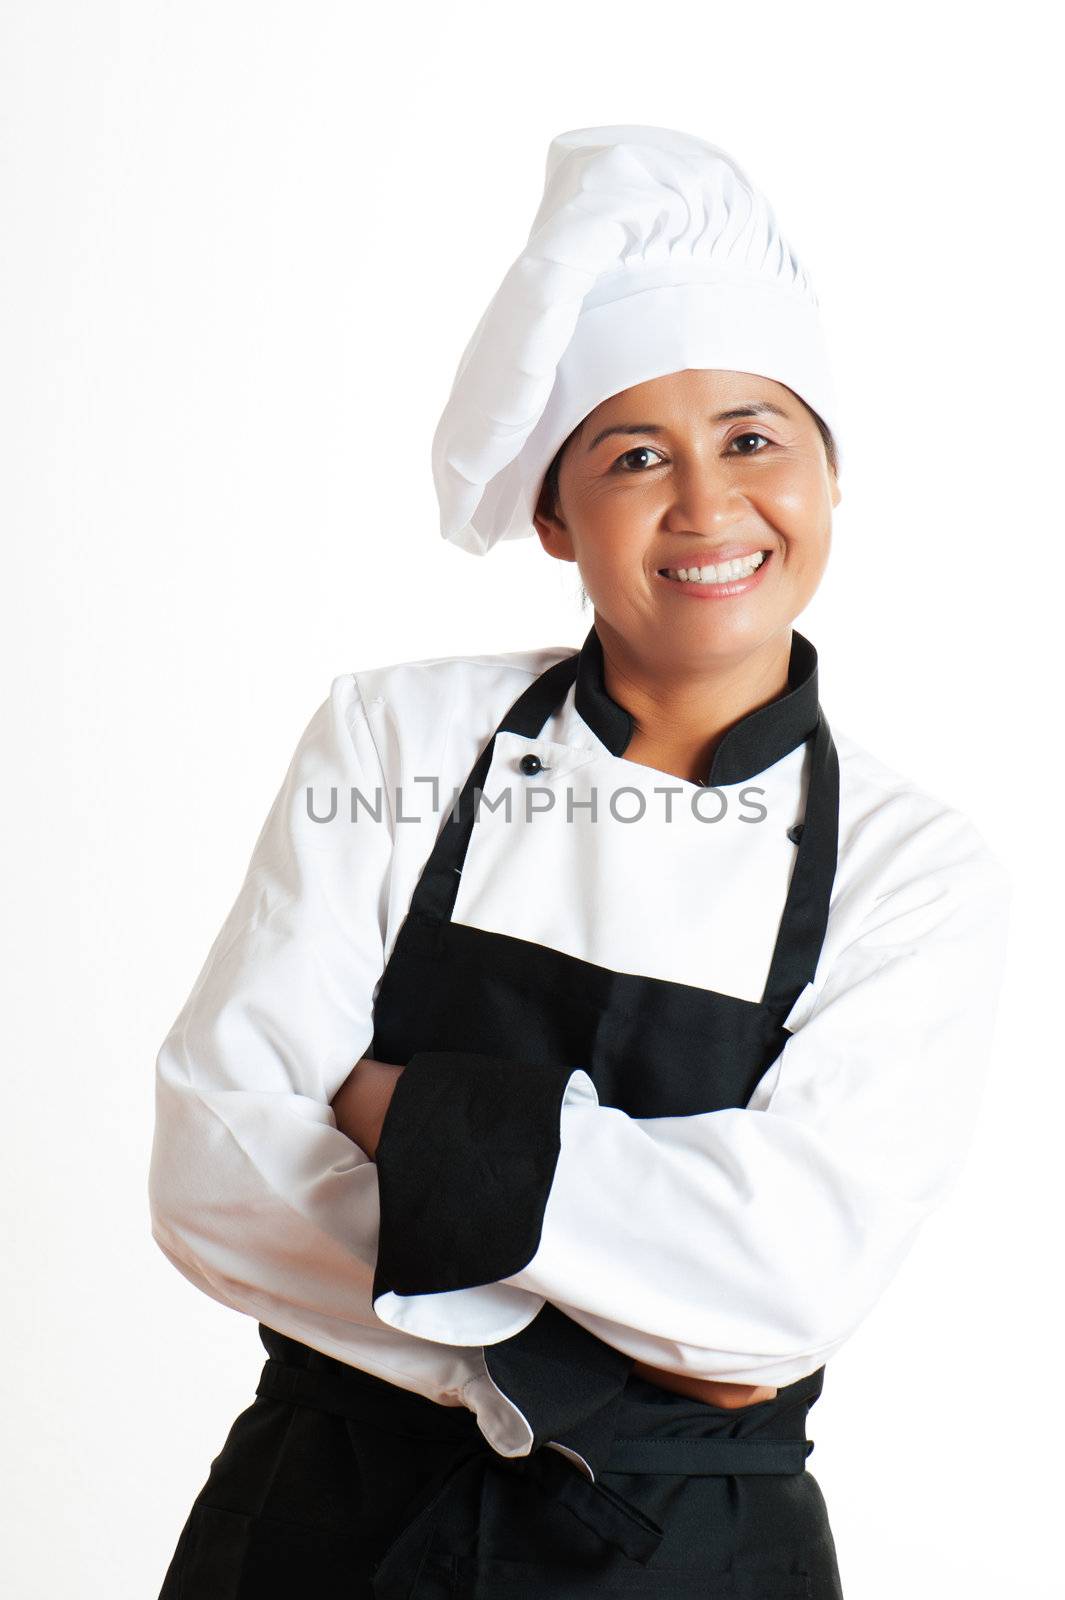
x=360 y=1106
x=765 y=1233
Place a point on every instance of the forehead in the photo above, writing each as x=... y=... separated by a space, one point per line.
x=707 y=387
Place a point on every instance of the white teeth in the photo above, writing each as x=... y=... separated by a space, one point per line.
x=725 y=572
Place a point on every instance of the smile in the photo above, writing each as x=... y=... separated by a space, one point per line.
x=728 y=577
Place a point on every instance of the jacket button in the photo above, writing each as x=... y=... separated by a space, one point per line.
x=530 y=765
x=795 y=833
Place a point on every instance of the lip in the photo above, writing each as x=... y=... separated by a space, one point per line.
x=717 y=591
x=714 y=557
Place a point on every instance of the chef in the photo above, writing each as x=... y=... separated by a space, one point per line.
x=595 y=1026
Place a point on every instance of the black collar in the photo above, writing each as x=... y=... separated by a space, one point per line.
x=752 y=744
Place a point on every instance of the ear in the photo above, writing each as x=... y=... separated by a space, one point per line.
x=552 y=531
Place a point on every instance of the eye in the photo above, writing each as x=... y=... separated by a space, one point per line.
x=637 y=450
x=741 y=436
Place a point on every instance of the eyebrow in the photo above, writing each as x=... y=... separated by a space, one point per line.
x=756 y=409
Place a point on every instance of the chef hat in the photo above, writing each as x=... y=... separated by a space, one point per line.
x=651 y=252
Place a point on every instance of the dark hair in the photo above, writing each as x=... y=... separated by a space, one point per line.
x=550 y=483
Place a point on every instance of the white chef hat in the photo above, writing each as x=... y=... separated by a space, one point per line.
x=651 y=252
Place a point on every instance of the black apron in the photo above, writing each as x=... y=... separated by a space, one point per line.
x=336 y=1481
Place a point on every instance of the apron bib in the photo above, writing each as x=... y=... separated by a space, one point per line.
x=688 y=1499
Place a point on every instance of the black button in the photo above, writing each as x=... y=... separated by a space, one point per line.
x=530 y=765
x=795 y=833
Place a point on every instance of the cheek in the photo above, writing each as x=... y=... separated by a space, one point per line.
x=808 y=554
x=614 y=545
x=808 y=560
x=803 y=514
x=797 y=501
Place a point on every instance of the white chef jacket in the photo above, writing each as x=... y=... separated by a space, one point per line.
x=741 y=1244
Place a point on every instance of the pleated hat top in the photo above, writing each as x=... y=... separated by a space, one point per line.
x=651 y=252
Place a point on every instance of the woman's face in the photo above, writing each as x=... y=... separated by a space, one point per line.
x=684 y=472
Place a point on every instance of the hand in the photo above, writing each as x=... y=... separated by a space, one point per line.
x=361 y=1103
x=711 y=1391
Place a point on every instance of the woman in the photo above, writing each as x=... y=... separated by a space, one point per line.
x=558 y=1138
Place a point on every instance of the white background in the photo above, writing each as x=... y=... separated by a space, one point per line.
x=243 y=247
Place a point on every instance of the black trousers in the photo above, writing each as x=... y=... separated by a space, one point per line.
x=331 y=1470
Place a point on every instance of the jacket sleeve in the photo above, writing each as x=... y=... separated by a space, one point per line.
x=743 y=1244
x=255 y=1194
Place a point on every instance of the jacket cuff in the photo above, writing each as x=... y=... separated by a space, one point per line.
x=565 y=1382
x=465 y=1162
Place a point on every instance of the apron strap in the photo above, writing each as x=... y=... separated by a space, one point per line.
x=434 y=897
x=617 y=1521
x=805 y=917
x=710 y=1457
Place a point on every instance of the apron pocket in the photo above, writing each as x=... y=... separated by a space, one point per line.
x=231 y=1555
x=215 y=1546
x=518 y=1580
x=747 y=1585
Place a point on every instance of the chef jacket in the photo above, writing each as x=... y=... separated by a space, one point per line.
x=743 y=1244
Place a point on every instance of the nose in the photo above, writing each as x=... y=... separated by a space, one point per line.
x=707 y=497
